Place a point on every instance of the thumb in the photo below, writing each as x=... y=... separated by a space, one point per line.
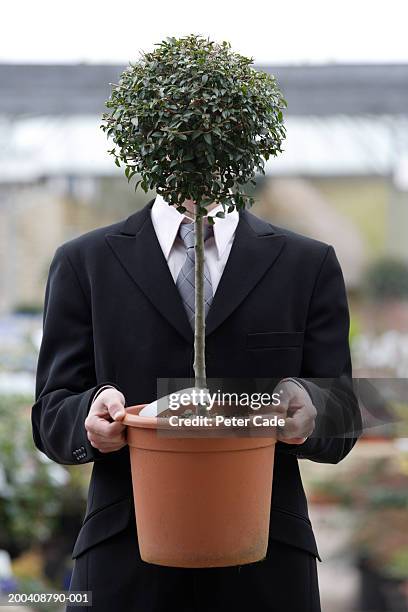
x=116 y=410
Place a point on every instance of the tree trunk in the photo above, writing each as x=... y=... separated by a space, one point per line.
x=199 y=322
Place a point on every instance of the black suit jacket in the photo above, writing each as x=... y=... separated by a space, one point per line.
x=113 y=315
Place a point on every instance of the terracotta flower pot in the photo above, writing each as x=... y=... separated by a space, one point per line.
x=201 y=501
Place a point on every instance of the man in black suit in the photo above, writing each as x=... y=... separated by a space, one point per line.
x=114 y=323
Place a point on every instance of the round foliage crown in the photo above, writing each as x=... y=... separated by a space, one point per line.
x=194 y=120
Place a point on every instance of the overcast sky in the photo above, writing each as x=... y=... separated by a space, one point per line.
x=274 y=32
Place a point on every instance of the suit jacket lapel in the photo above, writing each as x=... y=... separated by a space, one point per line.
x=255 y=248
x=139 y=251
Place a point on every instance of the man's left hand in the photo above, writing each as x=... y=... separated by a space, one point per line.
x=297 y=409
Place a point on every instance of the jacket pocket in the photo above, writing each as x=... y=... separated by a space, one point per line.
x=276 y=340
x=102 y=524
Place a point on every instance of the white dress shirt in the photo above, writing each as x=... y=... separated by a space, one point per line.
x=166 y=222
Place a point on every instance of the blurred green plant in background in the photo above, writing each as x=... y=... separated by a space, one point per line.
x=376 y=493
x=41 y=503
x=386 y=278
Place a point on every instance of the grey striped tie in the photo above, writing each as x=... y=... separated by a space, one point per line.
x=186 y=279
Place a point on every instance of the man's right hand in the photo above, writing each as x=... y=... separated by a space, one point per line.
x=103 y=424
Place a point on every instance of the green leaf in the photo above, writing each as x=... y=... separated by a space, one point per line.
x=210 y=157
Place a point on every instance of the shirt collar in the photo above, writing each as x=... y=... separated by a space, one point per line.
x=166 y=221
x=224 y=228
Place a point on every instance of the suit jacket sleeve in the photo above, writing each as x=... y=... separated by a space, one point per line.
x=327 y=370
x=65 y=377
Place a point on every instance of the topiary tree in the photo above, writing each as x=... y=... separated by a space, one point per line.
x=195 y=121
